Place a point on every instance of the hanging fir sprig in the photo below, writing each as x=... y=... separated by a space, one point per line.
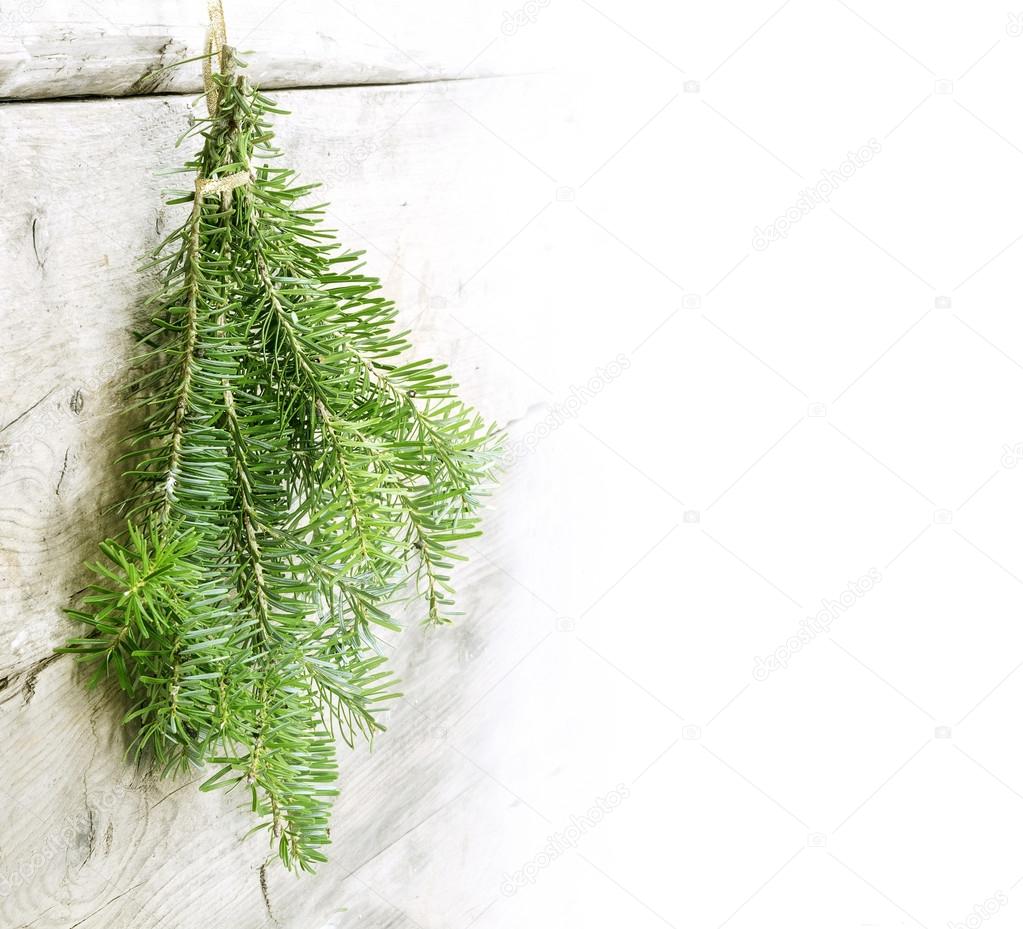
x=291 y=472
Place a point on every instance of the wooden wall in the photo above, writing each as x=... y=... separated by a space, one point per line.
x=421 y=174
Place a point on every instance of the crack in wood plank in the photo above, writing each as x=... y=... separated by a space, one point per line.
x=105 y=905
x=264 y=888
x=25 y=413
x=372 y=85
x=63 y=471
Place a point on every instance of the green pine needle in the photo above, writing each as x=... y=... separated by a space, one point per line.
x=291 y=473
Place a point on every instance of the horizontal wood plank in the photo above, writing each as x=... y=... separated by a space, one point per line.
x=61 y=48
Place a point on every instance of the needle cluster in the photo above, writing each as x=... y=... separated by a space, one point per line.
x=293 y=476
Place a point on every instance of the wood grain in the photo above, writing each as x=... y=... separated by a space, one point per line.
x=60 y=48
x=88 y=839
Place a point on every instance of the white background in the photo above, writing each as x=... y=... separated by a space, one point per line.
x=790 y=419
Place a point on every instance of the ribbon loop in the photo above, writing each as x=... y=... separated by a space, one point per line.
x=216 y=44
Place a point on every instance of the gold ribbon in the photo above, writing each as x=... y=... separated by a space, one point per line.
x=216 y=44
x=207 y=186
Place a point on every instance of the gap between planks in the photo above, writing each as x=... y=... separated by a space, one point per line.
x=174 y=94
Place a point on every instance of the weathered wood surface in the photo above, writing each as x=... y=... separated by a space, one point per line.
x=112 y=47
x=843 y=400
x=86 y=839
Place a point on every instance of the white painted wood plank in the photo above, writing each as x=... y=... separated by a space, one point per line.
x=111 y=47
x=397 y=163
x=89 y=838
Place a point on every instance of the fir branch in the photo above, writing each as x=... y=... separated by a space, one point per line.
x=291 y=472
